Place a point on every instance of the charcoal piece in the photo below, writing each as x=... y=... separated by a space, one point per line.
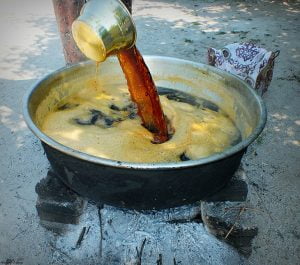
x=94 y=118
x=68 y=106
x=84 y=122
x=159 y=261
x=81 y=237
x=106 y=120
x=139 y=252
x=109 y=121
x=114 y=107
x=96 y=115
x=184 y=157
x=132 y=115
x=183 y=97
x=129 y=107
x=209 y=105
x=97 y=112
x=178 y=96
x=132 y=109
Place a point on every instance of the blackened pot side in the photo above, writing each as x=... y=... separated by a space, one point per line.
x=142 y=188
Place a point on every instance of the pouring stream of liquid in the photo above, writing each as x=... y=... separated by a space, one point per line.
x=144 y=93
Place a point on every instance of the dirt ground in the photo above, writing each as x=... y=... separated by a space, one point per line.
x=30 y=48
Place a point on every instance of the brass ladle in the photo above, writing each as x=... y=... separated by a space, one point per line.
x=103 y=28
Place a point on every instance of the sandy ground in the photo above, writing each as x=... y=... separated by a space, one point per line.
x=30 y=48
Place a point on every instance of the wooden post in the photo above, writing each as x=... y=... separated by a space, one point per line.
x=66 y=11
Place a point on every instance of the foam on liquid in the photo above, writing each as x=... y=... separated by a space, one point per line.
x=103 y=122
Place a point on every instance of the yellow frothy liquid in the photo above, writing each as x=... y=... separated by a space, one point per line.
x=105 y=124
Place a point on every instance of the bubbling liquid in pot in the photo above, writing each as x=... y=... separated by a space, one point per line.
x=103 y=122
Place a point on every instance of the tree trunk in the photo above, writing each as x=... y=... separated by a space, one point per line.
x=66 y=11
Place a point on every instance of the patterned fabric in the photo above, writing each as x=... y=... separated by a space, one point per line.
x=247 y=61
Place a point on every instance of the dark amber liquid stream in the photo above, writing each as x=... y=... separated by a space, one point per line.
x=144 y=93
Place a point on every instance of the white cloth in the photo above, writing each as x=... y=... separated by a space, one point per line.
x=247 y=61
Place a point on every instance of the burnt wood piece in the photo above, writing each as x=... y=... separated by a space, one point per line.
x=56 y=202
x=231 y=222
x=227 y=216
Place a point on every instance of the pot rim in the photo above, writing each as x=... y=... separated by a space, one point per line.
x=146 y=166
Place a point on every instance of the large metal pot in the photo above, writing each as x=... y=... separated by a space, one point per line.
x=148 y=186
